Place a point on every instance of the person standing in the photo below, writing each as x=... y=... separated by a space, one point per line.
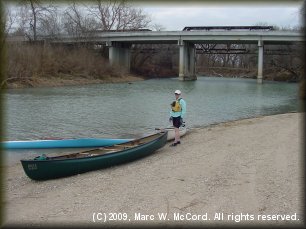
x=177 y=113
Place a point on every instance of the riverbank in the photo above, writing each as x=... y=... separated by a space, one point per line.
x=75 y=80
x=279 y=75
x=36 y=65
x=69 y=80
x=252 y=166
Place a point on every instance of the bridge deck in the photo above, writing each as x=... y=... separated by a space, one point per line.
x=175 y=37
x=192 y=28
x=172 y=37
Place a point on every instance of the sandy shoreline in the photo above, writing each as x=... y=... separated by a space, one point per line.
x=252 y=166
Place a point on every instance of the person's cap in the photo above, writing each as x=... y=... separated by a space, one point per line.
x=177 y=92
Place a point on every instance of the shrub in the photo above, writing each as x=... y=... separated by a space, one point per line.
x=27 y=61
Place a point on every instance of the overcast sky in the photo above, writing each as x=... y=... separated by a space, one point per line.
x=174 y=16
x=177 y=15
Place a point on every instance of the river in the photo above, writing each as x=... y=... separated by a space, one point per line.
x=132 y=109
x=129 y=110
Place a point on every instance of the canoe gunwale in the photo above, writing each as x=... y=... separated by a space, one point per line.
x=64 y=158
x=51 y=169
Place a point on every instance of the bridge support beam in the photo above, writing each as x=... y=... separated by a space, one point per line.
x=186 y=61
x=119 y=54
x=260 y=61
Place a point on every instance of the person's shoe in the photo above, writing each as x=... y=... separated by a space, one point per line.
x=179 y=142
x=174 y=144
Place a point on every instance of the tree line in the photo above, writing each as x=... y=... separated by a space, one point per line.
x=35 y=18
x=26 y=62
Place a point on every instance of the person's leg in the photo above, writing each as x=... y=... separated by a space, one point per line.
x=177 y=135
x=176 y=131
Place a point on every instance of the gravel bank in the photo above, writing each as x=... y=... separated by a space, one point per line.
x=242 y=169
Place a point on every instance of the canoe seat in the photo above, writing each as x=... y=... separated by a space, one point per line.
x=116 y=148
x=124 y=146
x=106 y=150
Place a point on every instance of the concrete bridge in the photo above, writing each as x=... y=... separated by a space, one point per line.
x=119 y=44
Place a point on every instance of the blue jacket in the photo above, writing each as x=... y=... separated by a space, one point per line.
x=182 y=112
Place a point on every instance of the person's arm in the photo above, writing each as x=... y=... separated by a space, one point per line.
x=183 y=105
x=171 y=113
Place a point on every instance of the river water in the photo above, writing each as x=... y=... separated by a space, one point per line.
x=129 y=110
x=134 y=109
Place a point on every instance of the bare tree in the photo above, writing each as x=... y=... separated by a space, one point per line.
x=22 y=16
x=158 y=27
x=9 y=19
x=32 y=14
x=51 y=25
x=76 y=22
x=118 y=15
x=154 y=59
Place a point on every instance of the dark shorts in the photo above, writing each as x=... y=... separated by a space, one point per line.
x=176 y=121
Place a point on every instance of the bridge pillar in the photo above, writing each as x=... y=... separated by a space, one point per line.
x=119 y=54
x=260 y=61
x=186 y=61
x=181 y=61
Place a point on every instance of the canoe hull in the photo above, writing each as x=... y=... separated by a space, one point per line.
x=51 y=169
x=64 y=143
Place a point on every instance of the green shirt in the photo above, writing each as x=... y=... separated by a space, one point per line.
x=183 y=110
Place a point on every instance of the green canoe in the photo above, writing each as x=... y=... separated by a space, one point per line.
x=44 y=168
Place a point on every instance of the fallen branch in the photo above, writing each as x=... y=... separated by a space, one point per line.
x=217 y=73
x=13 y=78
x=293 y=71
